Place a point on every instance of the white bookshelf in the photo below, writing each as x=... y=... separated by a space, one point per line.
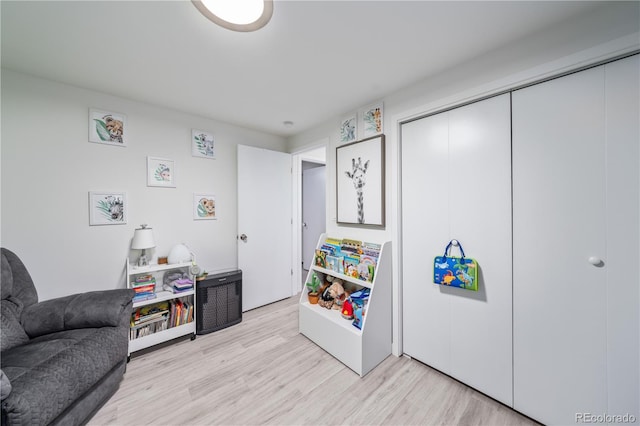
x=359 y=349
x=167 y=334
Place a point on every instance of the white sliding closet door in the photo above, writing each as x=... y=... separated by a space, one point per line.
x=456 y=183
x=575 y=236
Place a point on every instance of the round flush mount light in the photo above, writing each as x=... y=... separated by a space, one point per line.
x=237 y=15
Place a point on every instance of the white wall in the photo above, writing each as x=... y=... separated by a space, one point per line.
x=592 y=37
x=48 y=168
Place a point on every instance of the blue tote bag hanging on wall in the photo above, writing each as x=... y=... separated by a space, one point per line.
x=461 y=272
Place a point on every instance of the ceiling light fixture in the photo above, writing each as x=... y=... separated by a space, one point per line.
x=237 y=15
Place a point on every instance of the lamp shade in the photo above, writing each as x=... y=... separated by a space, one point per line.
x=143 y=238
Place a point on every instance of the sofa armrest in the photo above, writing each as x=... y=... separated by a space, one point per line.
x=83 y=310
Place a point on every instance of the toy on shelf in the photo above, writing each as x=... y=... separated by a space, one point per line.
x=347 y=310
x=331 y=293
x=359 y=301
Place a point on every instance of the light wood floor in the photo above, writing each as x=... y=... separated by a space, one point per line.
x=262 y=371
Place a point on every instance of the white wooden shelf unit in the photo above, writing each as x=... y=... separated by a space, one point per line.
x=359 y=349
x=158 y=272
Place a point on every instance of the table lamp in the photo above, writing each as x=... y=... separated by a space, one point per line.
x=142 y=240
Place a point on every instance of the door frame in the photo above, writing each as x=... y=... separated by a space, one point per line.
x=303 y=154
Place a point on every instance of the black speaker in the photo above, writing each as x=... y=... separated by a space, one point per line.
x=219 y=301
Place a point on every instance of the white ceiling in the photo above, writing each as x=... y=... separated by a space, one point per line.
x=313 y=61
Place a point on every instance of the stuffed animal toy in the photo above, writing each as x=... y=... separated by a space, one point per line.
x=330 y=294
x=347 y=310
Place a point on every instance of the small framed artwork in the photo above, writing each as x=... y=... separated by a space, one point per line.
x=107 y=127
x=372 y=119
x=348 y=129
x=360 y=182
x=161 y=172
x=202 y=144
x=107 y=208
x=204 y=207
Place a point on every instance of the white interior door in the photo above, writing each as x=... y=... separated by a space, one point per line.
x=456 y=183
x=559 y=297
x=264 y=225
x=575 y=233
x=313 y=209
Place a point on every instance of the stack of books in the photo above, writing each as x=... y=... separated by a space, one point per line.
x=149 y=319
x=145 y=288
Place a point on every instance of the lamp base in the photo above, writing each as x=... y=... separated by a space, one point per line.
x=142 y=260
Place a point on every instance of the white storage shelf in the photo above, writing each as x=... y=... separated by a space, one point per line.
x=158 y=272
x=359 y=349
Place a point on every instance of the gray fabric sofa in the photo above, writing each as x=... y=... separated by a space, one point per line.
x=61 y=359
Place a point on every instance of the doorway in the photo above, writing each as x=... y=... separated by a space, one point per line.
x=309 y=207
x=313 y=209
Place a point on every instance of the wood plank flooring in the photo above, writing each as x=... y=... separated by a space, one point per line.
x=262 y=371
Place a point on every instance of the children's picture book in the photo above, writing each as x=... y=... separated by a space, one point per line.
x=321 y=259
x=351 y=246
x=367 y=267
x=335 y=263
x=351 y=265
x=371 y=249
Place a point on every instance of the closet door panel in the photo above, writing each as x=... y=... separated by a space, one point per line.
x=559 y=327
x=480 y=211
x=622 y=162
x=456 y=184
x=425 y=224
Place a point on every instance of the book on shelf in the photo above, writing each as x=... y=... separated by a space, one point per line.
x=147 y=288
x=351 y=246
x=366 y=268
x=141 y=297
x=335 y=264
x=321 y=258
x=144 y=279
x=351 y=263
x=371 y=249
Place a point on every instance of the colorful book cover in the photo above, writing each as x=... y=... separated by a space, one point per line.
x=351 y=246
x=148 y=288
x=335 y=263
x=320 y=259
x=371 y=249
x=333 y=241
x=351 y=265
x=144 y=296
x=367 y=267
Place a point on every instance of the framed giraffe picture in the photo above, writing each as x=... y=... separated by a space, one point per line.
x=360 y=183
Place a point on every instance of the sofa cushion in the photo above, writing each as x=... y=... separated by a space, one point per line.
x=5 y=385
x=6 y=277
x=105 y=308
x=14 y=271
x=54 y=370
x=12 y=332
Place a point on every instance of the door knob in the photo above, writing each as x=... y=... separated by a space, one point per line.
x=243 y=237
x=595 y=261
x=304 y=225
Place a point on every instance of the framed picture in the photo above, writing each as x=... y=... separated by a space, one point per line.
x=161 y=172
x=107 y=127
x=360 y=182
x=349 y=129
x=107 y=208
x=372 y=119
x=202 y=144
x=204 y=207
